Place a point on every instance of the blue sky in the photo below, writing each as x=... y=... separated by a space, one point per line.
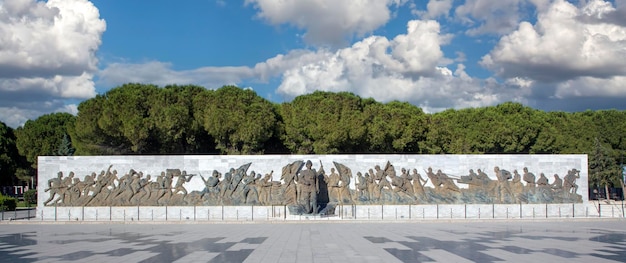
x=435 y=54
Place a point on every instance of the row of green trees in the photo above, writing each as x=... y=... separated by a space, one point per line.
x=146 y=119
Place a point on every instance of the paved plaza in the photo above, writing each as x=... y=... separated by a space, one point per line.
x=580 y=240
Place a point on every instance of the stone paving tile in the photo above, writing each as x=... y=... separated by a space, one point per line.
x=518 y=241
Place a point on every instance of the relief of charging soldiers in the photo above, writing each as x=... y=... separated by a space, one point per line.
x=333 y=183
x=250 y=193
x=345 y=176
x=569 y=183
x=211 y=186
x=268 y=189
x=377 y=186
x=402 y=188
x=443 y=183
x=372 y=186
x=289 y=187
x=308 y=188
x=361 y=187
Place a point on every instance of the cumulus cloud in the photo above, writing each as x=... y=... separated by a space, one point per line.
x=561 y=46
x=162 y=73
x=435 y=9
x=47 y=48
x=407 y=68
x=590 y=87
x=327 y=22
x=488 y=16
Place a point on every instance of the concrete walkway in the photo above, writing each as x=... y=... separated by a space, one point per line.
x=581 y=240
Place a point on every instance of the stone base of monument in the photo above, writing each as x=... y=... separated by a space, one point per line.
x=296 y=209
x=331 y=212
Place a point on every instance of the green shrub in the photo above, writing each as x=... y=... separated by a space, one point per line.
x=7 y=203
x=30 y=196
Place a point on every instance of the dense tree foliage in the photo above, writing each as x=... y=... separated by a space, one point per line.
x=88 y=136
x=176 y=129
x=506 y=128
x=44 y=136
x=146 y=119
x=9 y=157
x=238 y=119
x=325 y=122
x=395 y=127
x=137 y=118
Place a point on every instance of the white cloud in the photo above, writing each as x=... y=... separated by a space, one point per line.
x=561 y=46
x=56 y=86
x=435 y=9
x=406 y=68
x=16 y=116
x=327 y=22
x=45 y=39
x=592 y=87
x=488 y=16
x=47 y=48
x=161 y=73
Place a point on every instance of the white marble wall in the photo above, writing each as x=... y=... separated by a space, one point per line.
x=455 y=165
x=360 y=213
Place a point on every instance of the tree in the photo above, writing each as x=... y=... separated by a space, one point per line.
x=604 y=170
x=238 y=119
x=8 y=155
x=89 y=138
x=325 y=122
x=65 y=147
x=43 y=136
x=126 y=114
x=395 y=127
x=175 y=127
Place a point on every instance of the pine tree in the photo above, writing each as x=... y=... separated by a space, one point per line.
x=65 y=147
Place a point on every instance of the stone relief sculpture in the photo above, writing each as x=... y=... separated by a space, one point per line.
x=307 y=190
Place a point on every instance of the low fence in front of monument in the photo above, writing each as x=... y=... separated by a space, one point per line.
x=341 y=212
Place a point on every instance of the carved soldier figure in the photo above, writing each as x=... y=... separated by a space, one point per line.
x=570 y=181
x=64 y=192
x=167 y=183
x=407 y=181
x=182 y=179
x=542 y=182
x=289 y=186
x=211 y=184
x=265 y=189
x=516 y=183
x=557 y=185
x=309 y=187
x=418 y=183
x=529 y=178
x=54 y=187
x=334 y=189
x=89 y=183
x=344 y=184
x=135 y=183
x=398 y=183
x=225 y=185
x=250 y=191
x=381 y=177
x=372 y=186
x=447 y=182
x=361 y=185
x=471 y=178
x=483 y=176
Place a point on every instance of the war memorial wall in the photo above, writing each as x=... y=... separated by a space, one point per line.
x=324 y=187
